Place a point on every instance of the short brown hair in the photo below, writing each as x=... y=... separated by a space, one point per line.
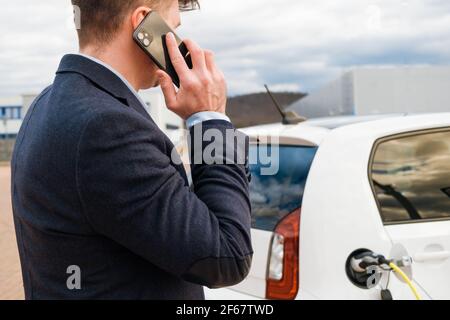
x=100 y=19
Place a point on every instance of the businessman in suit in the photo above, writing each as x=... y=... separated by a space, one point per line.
x=102 y=209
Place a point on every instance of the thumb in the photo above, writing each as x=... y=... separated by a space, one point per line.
x=167 y=88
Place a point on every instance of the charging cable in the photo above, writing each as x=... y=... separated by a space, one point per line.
x=364 y=259
x=408 y=281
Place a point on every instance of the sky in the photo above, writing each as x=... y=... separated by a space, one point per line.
x=292 y=45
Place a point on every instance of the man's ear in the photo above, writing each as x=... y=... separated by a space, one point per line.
x=138 y=15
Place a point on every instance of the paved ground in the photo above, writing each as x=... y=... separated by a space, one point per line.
x=11 y=287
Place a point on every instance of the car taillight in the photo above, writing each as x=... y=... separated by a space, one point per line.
x=283 y=273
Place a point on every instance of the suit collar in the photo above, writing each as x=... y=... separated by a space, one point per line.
x=103 y=77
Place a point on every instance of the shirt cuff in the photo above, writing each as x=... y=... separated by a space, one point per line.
x=205 y=116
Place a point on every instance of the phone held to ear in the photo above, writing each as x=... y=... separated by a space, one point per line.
x=150 y=35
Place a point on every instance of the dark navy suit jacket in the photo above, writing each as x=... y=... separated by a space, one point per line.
x=94 y=186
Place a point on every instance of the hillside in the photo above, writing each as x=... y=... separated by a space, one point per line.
x=257 y=108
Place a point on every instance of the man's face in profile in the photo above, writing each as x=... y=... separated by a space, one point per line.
x=172 y=14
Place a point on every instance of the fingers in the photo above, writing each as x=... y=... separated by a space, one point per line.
x=197 y=54
x=209 y=59
x=212 y=67
x=168 y=89
x=175 y=56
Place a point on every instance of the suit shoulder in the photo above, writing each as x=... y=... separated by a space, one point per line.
x=87 y=108
x=78 y=93
x=78 y=90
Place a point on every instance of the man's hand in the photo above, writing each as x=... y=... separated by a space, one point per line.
x=202 y=88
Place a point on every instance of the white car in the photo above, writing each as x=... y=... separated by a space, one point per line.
x=378 y=182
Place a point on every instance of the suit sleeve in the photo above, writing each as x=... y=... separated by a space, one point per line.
x=132 y=194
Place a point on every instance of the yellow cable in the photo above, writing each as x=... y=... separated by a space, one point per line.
x=407 y=280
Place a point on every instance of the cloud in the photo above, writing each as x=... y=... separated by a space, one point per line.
x=303 y=44
x=289 y=44
x=35 y=35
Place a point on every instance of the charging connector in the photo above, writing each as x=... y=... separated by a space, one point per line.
x=359 y=262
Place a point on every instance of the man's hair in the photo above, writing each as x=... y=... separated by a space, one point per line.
x=100 y=19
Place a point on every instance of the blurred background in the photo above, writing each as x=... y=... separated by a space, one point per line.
x=297 y=47
x=321 y=58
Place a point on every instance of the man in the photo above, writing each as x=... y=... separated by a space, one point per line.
x=101 y=209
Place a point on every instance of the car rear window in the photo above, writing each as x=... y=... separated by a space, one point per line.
x=276 y=195
x=411 y=177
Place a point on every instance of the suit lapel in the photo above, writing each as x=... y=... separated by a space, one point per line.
x=104 y=78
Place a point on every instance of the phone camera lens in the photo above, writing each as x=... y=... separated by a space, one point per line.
x=140 y=36
x=146 y=42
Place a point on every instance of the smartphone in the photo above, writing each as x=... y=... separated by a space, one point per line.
x=150 y=36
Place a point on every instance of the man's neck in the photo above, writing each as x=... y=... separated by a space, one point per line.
x=118 y=60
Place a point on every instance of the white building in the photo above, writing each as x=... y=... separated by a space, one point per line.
x=11 y=114
x=366 y=91
x=13 y=110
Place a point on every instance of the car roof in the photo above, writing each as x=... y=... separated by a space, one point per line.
x=313 y=131
x=341 y=121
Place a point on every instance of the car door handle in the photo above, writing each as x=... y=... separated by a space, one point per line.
x=431 y=256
